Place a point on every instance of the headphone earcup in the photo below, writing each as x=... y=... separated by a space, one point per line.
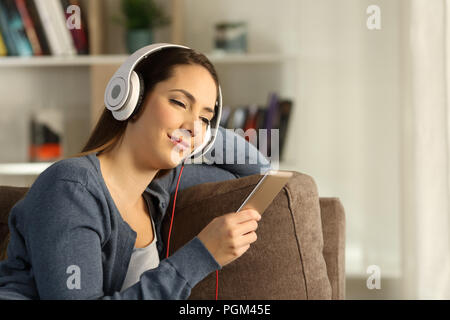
x=135 y=97
x=141 y=95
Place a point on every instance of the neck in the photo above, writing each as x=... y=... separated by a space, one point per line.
x=125 y=176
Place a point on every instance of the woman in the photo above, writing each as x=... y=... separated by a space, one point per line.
x=88 y=226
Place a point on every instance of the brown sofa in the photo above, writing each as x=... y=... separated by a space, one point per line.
x=299 y=253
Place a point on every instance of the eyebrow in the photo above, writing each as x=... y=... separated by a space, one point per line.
x=192 y=98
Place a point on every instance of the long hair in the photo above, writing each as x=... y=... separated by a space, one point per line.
x=158 y=67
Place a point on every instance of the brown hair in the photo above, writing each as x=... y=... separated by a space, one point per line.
x=158 y=67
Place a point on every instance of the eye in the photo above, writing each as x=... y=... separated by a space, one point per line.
x=177 y=103
x=205 y=120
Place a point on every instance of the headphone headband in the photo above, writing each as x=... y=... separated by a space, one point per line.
x=118 y=88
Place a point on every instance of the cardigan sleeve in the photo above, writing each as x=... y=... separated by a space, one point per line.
x=64 y=231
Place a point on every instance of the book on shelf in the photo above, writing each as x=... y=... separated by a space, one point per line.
x=36 y=24
x=30 y=30
x=46 y=133
x=285 y=108
x=13 y=29
x=53 y=19
x=250 y=121
x=3 y=50
x=237 y=117
x=79 y=34
x=260 y=117
x=273 y=116
x=41 y=27
x=226 y=109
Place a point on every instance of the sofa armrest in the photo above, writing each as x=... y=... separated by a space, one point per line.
x=333 y=227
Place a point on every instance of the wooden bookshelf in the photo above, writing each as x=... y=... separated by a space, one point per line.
x=104 y=59
x=23 y=168
x=78 y=82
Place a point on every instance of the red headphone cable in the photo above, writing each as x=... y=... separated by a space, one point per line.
x=170 y=230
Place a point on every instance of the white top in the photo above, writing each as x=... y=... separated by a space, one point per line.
x=142 y=259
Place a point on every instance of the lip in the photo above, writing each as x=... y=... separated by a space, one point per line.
x=182 y=143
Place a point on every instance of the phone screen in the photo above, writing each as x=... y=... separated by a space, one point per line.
x=266 y=190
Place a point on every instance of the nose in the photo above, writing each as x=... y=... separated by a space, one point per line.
x=192 y=130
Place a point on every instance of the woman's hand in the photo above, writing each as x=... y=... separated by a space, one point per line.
x=227 y=237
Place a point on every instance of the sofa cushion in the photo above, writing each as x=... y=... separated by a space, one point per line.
x=286 y=261
x=9 y=196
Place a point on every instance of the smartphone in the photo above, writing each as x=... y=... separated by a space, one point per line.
x=266 y=190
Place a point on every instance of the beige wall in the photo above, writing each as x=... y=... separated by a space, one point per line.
x=348 y=122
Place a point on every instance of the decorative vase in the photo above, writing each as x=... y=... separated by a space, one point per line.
x=138 y=38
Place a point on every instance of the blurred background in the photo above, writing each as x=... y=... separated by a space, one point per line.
x=360 y=91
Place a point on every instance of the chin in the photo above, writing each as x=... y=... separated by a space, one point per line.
x=176 y=156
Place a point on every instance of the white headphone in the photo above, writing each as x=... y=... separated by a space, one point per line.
x=125 y=92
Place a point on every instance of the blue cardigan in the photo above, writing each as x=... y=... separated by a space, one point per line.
x=69 y=241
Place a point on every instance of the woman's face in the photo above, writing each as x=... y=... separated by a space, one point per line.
x=178 y=108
